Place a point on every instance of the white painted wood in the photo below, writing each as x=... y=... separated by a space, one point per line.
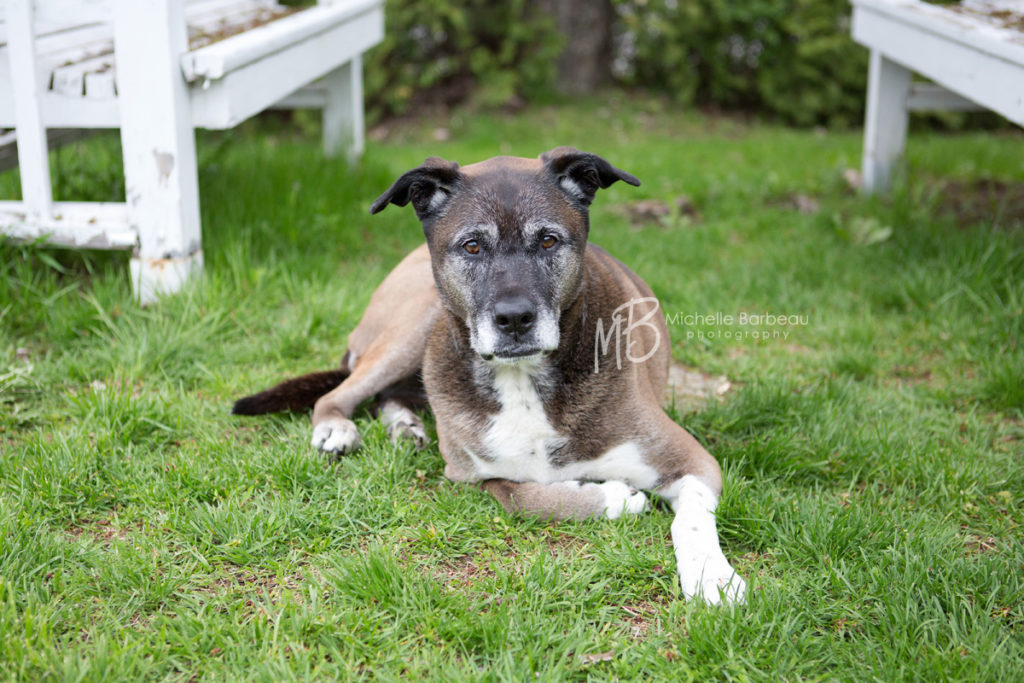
x=198 y=8
x=101 y=85
x=343 y=126
x=82 y=225
x=56 y=16
x=207 y=29
x=51 y=38
x=73 y=44
x=68 y=51
x=969 y=60
x=885 y=124
x=958 y=28
x=72 y=11
x=122 y=63
x=930 y=97
x=154 y=278
x=207 y=13
x=158 y=142
x=226 y=102
x=33 y=158
x=71 y=79
x=227 y=12
x=311 y=97
x=62 y=111
x=52 y=51
x=952 y=57
x=221 y=58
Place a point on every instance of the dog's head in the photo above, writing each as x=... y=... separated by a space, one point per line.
x=507 y=239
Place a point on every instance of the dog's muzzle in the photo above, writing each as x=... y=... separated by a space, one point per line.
x=514 y=317
x=515 y=328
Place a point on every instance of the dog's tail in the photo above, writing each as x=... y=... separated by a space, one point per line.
x=298 y=393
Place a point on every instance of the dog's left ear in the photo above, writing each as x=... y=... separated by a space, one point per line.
x=582 y=174
x=428 y=187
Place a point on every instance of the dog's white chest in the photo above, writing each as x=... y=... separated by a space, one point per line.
x=519 y=440
x=519 y=437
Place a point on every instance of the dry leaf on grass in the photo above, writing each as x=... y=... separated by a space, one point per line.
x=598 y=657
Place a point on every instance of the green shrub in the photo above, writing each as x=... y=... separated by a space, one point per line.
x=447 y=50
x=793 y=59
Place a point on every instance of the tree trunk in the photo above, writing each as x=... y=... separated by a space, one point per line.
x=586 y=27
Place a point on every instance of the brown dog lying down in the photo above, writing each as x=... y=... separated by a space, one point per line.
x=544 y=359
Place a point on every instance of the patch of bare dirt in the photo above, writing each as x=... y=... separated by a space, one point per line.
x=462 y=571
x=762 y=562
x=978 y=545
x=846 y=628
x=104 y=531
x=798 y=201
x=659 y=213
x=264 y=580
x=567 y=543
x=252 y=583
x=692 y=389
x=911 y=375
x=643 y=616
x=983 y=200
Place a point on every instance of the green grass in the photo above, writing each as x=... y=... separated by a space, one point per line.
x=873 y=458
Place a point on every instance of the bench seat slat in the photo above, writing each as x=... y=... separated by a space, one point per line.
x=218 y=59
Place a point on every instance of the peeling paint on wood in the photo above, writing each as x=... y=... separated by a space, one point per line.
x=164 y=165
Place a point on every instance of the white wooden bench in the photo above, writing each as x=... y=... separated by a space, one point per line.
x=158 y=69
x=973 y=53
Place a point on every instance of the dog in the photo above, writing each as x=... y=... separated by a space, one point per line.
x=544 y=359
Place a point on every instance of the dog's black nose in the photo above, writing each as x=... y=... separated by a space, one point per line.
x=514 y=316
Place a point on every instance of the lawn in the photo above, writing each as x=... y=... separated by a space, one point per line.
x=872 y=450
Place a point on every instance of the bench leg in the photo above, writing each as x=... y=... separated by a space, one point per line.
x=885 y=124
x=344 y=128
x=161 y=181
x=33 y=160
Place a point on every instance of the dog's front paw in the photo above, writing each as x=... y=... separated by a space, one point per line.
x=336 y=435
x=622 y=499
x=716 y=582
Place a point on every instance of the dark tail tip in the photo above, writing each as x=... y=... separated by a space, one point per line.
x=299 y=393
x=250 y=405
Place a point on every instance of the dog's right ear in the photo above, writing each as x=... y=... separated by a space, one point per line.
x=428 y=187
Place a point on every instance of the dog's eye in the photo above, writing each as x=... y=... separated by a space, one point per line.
x=471 y=247
x=548 y=241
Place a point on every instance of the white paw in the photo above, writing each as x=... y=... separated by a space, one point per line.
x=402 y=423
x=406 y=430
x=622 y=499
x=336 y=435
x=716 y=582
